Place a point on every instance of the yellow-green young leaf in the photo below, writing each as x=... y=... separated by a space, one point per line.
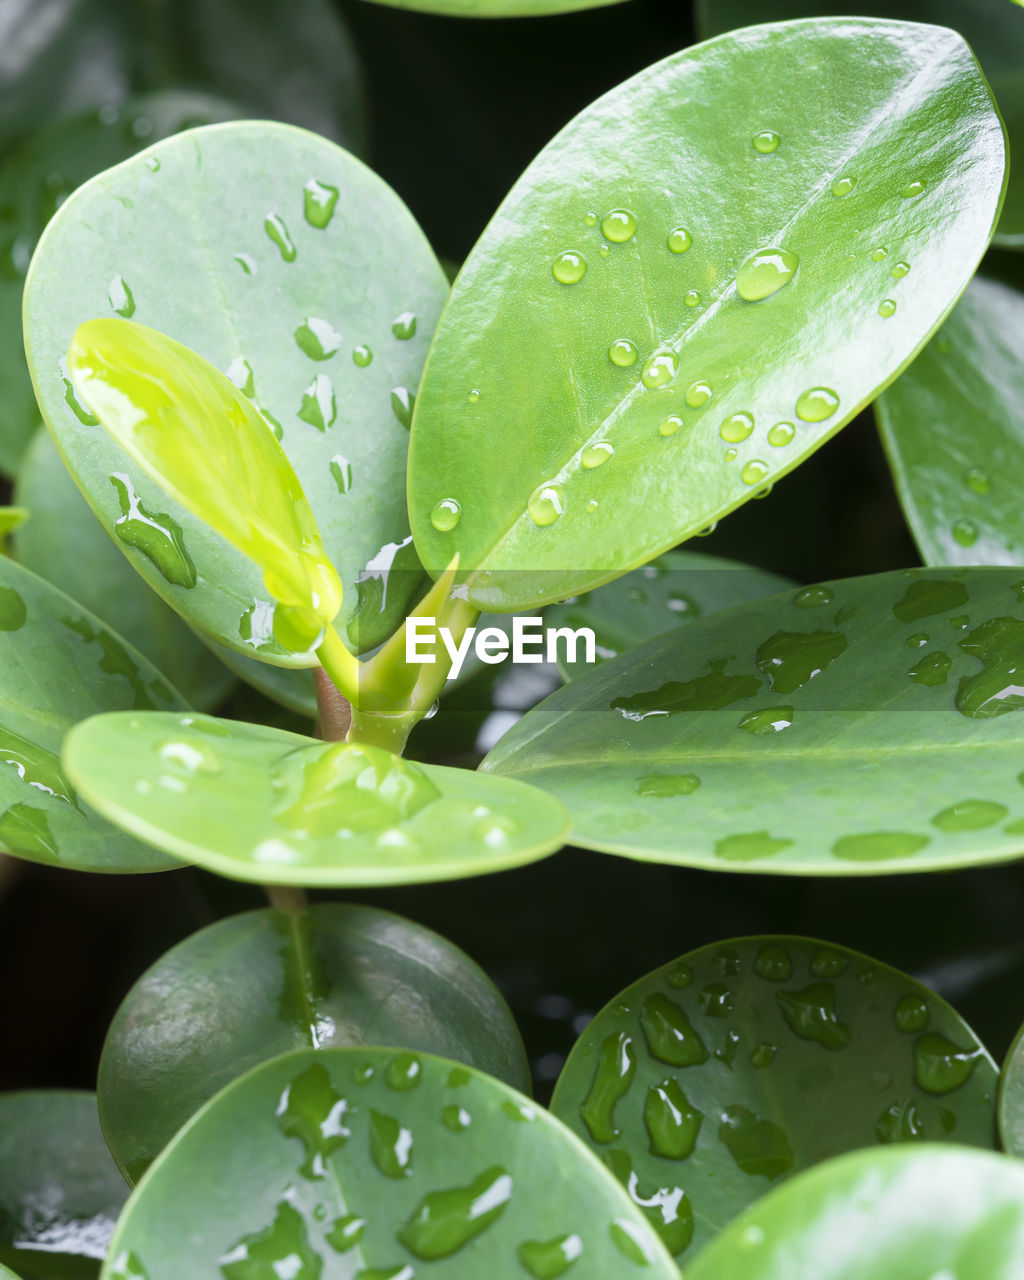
x=11 y=518
x=203 y=441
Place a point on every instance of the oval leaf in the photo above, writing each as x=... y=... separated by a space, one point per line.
x=253 y=986
x=389 y=1160
x=65 y=544
x=952 y=427
x=497 y=8
x=60 y=664
x=312 y=287
x=888 y=1215
x=60 y=1191
x=35 y=179
x=262 y=804
x=991 y=27
x=583 y=421
x=739 y=1064
x=888 y=705
x=1011 y=1098
x=673 y=589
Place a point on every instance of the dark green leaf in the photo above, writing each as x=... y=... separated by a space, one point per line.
x=901 y=1214
x=253 y=986
x=60 y=1191
x=261 y=804
x=1011 y=1098
x=857 y=727
x=953 y=430
x=737 y=1065
x=368 y=1162
x=61 y=663
x=298 y=260
x=582 y=428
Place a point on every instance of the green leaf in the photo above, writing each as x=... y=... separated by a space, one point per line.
x=60 y=1191
x=388 y=1160
x=261 y=804
x=292 y=239
x=253 y=986
x=35 y=180
x=497 y=8
x=1011 y=1098
x=992 y=29
x=884 y=1215
x=737 y=1065
x=207 y=446
x=857 y=727
x=582 y=428
x=60 y=664
x=65 y=544
x=953 y=431
x=11 y=518
x=673 y=589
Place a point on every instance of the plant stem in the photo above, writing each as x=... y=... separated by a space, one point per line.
x=288 y=898
x=343 y=667
x=334 y=708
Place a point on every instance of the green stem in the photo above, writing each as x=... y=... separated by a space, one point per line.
x=287 y=898
x=335 y=710
x=344 y=669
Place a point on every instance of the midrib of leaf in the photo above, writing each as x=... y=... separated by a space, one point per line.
x=296 y=936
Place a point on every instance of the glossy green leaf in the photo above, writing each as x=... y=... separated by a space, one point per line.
x=992 y=28
x=497 y=8
x=954 y=433
x=61 y=663
x=204 y=442
x=35 y=179
x=253 y=986
x=1011 y=1098
x=742 y=1063
x=383 y=1165
x=856 y=727
x=256 y=803
x=584 y=421
x=312 y=287
x=60 y=1191
x=901 y=1214
x=65 y=544
x=673 y=589
x=11 y=518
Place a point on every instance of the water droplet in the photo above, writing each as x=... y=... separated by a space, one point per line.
x=445 y=1221
x=622 y=352
x=159 y=537
x=72 y=401
x=679 y=976
x=390 y=1146
x=765 y=272
x=768 y=721
x=362 y=356
x=766 y=141
x=458 y=1077
x=670 y=1035
x=843 y=186
x=618 y=226
x=319 y=407
x=313 y=1112
x=879 y=254
x=697 y=394
x=932 y=669
x=672 y=1122
x=708 y=692
x=781 y=434
x=546 y=503
x=811 y=1014
x=970 y=815
x=616 y=1068
x=403 y=402
x=590 y=219
x=754 y=471
x=826 y=963
x=282 y=1249
x=977 y=480
x=730 y=455
x=604 y=250
x=247 y=263
x=748 y=846
x=911 y=190
x=317 y=338
x=999 y=687
x=659 y=370
x=928 y=596
x=445 y=515
x=899 y=1122
x=596 y=454
x=549 y=1259
x=404 y=1072
x=899 y=270
x=404 y=326
x=816 y=404
x=456 y=1118
x=569 y=267
x=346 y=1233
x=887 y=308
x=737 y=427
x=791 y=659
x=965 y=532
x=940 y=1066
x=13 y=613
x=773 y=963
x=911 y=1014
x=692 y=298
x=716 y=1000
x=679 y=240
x=319 y=200
x=670 y=426
x=189 y=757
x=127 y=1266
x=120 y=297
x=625 y=1236
x=663 y=785
x=759 y=1147
x=275 y=227
x=877 y=846
x=24 y=829
x=239 y=371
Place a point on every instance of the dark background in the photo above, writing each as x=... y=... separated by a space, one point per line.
x=458 y=108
